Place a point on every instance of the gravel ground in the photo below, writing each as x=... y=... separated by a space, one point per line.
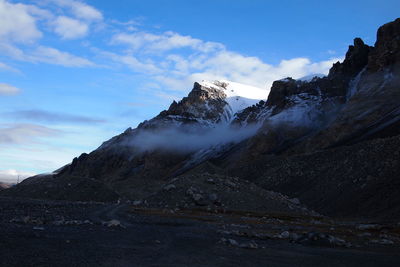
x=59 y=233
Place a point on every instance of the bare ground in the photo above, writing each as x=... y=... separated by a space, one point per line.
x=60 y=233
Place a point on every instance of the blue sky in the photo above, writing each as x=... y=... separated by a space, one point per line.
x=75 y=73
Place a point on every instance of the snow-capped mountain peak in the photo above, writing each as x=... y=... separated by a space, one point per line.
x=238 y=96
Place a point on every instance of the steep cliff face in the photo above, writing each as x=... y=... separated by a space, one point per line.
x=372 y=108
x=296 y=109
x=357 y=101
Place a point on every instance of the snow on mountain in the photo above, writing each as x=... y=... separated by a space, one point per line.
x=238 y=96
x=310 y=77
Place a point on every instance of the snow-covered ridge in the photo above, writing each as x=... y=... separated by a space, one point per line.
x=238 y=96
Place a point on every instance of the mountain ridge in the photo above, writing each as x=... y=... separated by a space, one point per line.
x=356 y=102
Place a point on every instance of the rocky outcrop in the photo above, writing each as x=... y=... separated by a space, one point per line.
x=358 y=100
x=386 y=51
x=203 y=105
x=372 y=108
x=356 y=59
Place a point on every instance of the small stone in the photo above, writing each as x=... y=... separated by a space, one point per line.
x=169 y=187
x=250 y=245
x=232 y=242
x=284 y=234
x=382 y=241
x=295 y=201
x=369 y=227
x=210 y=181
x=137 y=202
x=230 y=184
x=114 y=223
x=197 y=197
x=213 y=197
x=26 y=219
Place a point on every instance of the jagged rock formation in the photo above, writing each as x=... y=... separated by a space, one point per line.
x=307 y=140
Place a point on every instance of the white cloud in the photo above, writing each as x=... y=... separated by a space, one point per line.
x=54 y=56
x=163 y=42
x=12 y=176
x=238 y=68
x=69 y=28
x=6 y=89
x=202 y=60
x=17 y=24
x=81 y=10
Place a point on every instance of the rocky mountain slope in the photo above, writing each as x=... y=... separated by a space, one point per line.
x=331 y=142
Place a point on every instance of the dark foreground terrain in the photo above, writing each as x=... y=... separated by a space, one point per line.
x=59 y=233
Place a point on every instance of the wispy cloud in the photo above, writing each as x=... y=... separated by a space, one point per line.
x=54 y=56
x=6 y=89
x=80 y=9
x=69 y=28
x=6 y=67
x=163 y=42
x=45 y=54
x=12 y=134
x=176 y=61
x=38 y=115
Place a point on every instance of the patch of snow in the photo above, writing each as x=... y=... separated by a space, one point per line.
x=311 y=77
x=238 y=103
x=305 y=111
x=353 y=85
x=238 y=96
x=285 y=79
x=387 y=78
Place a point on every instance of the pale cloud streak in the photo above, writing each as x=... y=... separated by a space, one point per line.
x=69 y=28
x=6 y=89
x=6 y=67
x=50 y=117
x=17 y=134
x=54 y=56
x=155 y=43
x=80 y=9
